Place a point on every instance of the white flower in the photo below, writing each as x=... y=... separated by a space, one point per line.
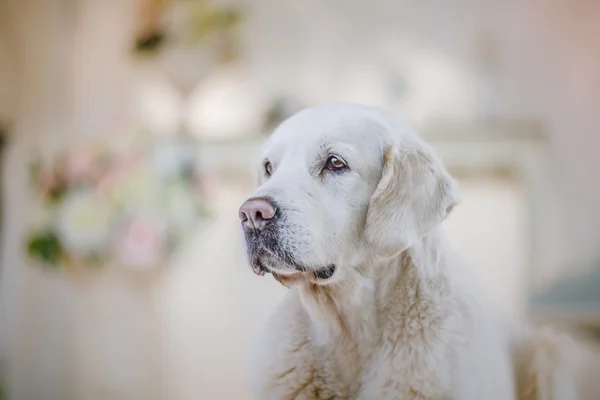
x=84 y=222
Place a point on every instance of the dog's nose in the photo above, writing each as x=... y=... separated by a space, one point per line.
x=256 y=213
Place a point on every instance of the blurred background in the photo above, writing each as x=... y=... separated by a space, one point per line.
x=128 y=132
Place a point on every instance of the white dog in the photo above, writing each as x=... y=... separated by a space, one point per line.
x=347 y=215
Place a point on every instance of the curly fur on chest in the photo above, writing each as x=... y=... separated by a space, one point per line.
x=368 y=336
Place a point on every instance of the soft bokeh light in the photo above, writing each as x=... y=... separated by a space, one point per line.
x=506 y=92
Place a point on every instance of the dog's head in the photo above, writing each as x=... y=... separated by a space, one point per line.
x=339 y=184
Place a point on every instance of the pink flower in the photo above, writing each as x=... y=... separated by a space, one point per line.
x=107 y=183
x=141 y=243
x=81 y=165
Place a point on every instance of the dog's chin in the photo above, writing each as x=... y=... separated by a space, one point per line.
x=288 y=273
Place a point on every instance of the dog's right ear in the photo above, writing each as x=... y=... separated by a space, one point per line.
x=415 y=193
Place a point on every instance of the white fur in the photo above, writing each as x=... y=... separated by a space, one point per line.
x=398 y=319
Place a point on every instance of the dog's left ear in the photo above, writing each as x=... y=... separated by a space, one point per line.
x=415 y=194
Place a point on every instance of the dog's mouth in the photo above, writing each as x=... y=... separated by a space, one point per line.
x=259 y=268
x=267 y=256
x=325 y=273
x=322 y=273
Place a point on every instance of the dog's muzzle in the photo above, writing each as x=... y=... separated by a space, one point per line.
x=259 y=217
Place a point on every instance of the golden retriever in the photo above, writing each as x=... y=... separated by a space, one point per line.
x=347 y=215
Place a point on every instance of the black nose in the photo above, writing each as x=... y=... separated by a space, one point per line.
x=256 y=213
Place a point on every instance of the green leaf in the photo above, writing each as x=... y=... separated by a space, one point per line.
x=57 y=193
x=45 y=247
x=149 y=43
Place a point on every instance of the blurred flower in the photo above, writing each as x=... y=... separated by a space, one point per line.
x=117 y=171
x=84 y=222
x=149 y=29
x=133 y=202
x=48 y=183
x=107 y=184
x=81 y=165
x=141 y=243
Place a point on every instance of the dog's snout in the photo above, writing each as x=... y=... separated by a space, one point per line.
x=256 y=213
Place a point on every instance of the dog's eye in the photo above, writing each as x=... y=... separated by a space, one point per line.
x=268 y=168
x=334 y=163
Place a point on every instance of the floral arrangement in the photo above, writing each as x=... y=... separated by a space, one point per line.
x=132 y=206
x=188 y=23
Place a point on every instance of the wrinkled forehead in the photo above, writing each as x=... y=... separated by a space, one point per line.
x=348 y=133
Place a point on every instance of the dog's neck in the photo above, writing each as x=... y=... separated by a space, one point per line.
x=355 y=308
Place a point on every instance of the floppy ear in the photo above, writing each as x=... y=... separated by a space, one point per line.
x=415 y=194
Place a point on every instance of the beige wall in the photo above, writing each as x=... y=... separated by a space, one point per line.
x=461 y=59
